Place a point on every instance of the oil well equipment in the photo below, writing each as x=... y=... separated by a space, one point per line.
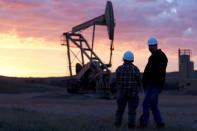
x=91 y=73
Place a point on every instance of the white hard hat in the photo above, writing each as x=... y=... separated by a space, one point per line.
x=152 y=41
x=128 y=56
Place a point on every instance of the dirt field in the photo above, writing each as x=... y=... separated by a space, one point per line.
x=57 y=110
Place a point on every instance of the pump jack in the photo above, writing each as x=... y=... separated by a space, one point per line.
x=92 y=74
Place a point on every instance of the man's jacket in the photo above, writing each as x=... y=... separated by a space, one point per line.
x=155 y=71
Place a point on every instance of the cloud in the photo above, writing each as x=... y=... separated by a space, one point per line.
x=170 y=1
x=49 y=18
x=173 y=22
x=188 y=31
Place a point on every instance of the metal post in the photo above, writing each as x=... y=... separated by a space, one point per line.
x=68 y=53
x=179 y=53
x=111 y=51
x=93 y=35
x=82 y=57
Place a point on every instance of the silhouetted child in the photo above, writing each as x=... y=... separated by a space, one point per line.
x=128 y=83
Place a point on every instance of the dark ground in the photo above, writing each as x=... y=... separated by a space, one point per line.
x=32 y=104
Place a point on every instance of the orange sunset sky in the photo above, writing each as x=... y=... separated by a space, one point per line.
x=30 y=32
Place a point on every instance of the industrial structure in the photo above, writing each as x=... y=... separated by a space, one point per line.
x=91 y=73
x=187 y=78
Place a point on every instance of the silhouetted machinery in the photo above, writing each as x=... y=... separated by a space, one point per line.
x=91 y=72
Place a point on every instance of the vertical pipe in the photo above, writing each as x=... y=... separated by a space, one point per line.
x=179 y=53
x=81 y=47
x=93 y=35
x=68 y=53
x=111 y=51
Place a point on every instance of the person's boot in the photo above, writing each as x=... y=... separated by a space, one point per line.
x=117 y=124
x=131 y=125
x=160 y=125
x=142 y=126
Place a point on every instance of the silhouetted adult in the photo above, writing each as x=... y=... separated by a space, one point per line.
x=153 y=83
x=128 y=82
